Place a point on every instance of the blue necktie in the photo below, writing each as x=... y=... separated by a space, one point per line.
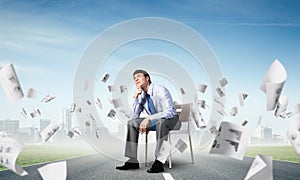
x=152 y=110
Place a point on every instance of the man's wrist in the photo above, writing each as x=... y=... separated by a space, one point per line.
x=148 y=118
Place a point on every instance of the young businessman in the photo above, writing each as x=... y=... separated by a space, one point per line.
x=157 y=101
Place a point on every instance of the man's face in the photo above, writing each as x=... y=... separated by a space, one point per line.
x=140 y=80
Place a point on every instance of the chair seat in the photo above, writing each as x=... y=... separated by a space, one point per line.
x=179 y=132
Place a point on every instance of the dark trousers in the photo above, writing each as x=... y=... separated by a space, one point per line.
x=163 y=126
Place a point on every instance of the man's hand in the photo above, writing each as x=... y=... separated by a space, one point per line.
x=144 y=123
x=138 y=91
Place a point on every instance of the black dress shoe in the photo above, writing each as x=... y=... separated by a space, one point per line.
x=157 y=167
x=128 y=165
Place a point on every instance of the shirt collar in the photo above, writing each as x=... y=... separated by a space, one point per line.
x=150 y=90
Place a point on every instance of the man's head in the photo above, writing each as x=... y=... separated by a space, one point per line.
x=141 y=78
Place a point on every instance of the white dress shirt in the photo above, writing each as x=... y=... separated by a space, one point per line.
x=162 y=101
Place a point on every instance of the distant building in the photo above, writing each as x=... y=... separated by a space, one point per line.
x=28 y=134
x=66 y=118
x=277 y=138
x=11 y=127
x=258 y=133
x=266 y=133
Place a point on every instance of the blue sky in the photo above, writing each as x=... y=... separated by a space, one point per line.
x=45 y=39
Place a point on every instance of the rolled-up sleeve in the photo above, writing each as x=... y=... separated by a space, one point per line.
x=137 y=107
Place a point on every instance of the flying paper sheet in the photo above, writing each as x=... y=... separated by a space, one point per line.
x=88 y=102
x=202 y=88
x=273 y=83
x=98 y=102
x=70 y=134
x=286 y=115
x=121 y=109
x=91 y=117
x=101 y=132
x=111 y=114
x=88 y=123
x=223 y=82
x=242 y=97
x=220 y=92
x=203 y=104
x=9 y=151
x=10 y=83
x=48 y=98
x=49 y=131
x=24 y=113
x=182 y=91
x=164 y=151
x=222 y=112
x=217 y=100
x=31 y=93
x=123 y=88
x=231 y=140
x=110 y=88
x=73 y=107
x=234 y=111
x=198 y=118
x=77 y=131
x=293 y=135
x=261 y=168
x=105 y=77
x=245 y=123
x=181 y=145
x=57 y=171
x=98 y=133
x=281 y=105
x=259 y=120
x=36 y=112
x=213 y=130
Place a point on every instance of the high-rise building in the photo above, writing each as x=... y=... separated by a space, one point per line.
x=258 y=132
x=66 y=118
x=266 y=133
x=11 y=127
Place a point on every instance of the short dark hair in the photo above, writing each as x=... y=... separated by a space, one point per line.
x=143 y=72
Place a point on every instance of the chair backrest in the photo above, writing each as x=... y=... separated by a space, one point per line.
x=184 y=111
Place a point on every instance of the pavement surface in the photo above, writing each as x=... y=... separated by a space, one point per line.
x=206 y=166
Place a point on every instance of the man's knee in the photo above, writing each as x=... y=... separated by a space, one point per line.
x=161 y=122
x=168 y=123
x=131 y=122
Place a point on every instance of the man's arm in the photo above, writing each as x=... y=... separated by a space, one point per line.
x=137 y=106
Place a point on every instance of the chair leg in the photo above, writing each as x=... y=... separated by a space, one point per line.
x=146 y=149
x=170 y=161
x=191 y=149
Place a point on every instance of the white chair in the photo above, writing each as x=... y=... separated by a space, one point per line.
x=184 y=112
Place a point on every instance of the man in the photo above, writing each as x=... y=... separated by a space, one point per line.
x=158 y=103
